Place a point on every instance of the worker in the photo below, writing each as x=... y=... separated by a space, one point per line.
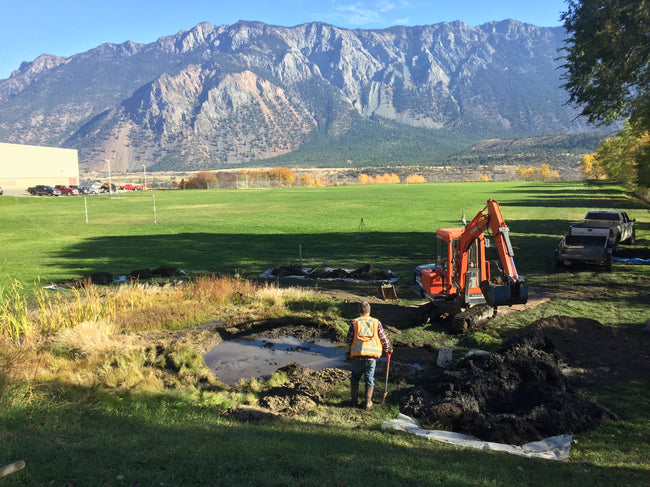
x=366 y=340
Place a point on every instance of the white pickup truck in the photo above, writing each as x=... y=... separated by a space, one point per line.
x=615 y=225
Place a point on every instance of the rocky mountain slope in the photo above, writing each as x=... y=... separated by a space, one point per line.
x=217 y=96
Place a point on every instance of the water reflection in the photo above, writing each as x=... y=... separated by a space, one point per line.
x=245 y=359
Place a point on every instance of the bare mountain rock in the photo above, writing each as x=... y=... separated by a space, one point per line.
x=223 y=95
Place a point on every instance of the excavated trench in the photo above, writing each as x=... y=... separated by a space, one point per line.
x=525 y=391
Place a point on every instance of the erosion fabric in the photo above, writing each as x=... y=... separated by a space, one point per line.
x=553 y=448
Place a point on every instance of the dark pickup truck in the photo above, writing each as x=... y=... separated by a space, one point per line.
x=43 y=190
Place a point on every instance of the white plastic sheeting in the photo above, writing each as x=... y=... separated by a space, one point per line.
x=553 y=448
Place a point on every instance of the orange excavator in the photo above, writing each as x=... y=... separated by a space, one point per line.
x=463 y=283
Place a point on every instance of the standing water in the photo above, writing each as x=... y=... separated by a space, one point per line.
x=256 y=359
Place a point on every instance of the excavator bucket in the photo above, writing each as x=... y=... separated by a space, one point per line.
x=504 y=294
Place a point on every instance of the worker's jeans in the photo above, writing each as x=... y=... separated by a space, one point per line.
x=365 y=367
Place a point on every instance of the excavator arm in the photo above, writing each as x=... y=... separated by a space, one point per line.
x=514 y=290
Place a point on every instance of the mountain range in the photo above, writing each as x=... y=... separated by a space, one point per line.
x=233 y=95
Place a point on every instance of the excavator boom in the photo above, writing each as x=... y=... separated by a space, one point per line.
x=514 y=290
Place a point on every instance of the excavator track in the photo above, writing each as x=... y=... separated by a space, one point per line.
x=472 y=318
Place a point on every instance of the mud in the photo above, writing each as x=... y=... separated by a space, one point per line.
x=523 y=392
x=304 y=390
x=364 y=273
x=515 y=395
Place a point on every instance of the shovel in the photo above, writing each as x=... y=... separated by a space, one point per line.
x=386 y=386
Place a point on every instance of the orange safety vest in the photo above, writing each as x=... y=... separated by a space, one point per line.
x=366 y=341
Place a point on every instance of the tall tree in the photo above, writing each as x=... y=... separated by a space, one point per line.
x=607 y=60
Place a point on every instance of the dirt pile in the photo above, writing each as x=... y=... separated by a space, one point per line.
x=515 y=395
x=304 y=390
x=364 y=273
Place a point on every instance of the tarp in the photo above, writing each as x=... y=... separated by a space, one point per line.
x=553 y=448
x=632 y=260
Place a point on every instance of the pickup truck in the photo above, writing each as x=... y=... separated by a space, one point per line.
x=66 y=190
x=615 y=225
x=43 y=190
x=584 y=249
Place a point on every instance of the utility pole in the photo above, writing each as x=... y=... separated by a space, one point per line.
x=110 y=184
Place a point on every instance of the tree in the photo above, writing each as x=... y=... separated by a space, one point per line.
x=415 y=178
x=591 y=168
x=626 y=158
x=283 y=175
x=607 y=60
x=202 y=180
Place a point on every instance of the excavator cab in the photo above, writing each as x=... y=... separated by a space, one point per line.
x=441 y=282
x=461 y=281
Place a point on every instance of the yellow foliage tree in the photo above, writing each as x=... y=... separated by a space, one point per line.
x=415 y=178
x=544 y=173
x=365 y=179
x=387 y=179
x=526 y=173
x=306 y=180
x=591 y=167
x=547 y=174
x=283 y=175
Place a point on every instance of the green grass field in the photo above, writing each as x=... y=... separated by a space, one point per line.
x=251 y=231
x=74 y=436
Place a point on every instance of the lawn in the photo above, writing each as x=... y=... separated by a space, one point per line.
x=179 y=434
x=388 y=226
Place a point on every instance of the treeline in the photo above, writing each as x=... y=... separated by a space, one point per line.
x=278 y=177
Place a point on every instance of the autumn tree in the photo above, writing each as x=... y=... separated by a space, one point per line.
x=591 y=167
x=365 y=179
x=387 y=178
x=282 y=175
x=415 y=178
x=306 y=180
x=626 y=157
x=202 y=180
x=548 y=174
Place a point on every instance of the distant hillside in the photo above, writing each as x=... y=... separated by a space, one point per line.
x=315 y=94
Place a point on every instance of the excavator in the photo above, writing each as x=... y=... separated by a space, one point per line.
x=462 y=283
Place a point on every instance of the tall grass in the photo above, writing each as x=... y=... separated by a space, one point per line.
x=132 y=306
x=14 y=319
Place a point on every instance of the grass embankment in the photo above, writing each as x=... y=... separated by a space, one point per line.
x=90 y=399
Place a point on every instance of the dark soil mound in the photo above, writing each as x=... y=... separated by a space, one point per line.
x=515 y=395
x=306 y=388
x=633 y=253
x=364 y=273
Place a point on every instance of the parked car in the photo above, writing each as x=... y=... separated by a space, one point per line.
x=43 y=190
x=88 y=190
x=130 y=187
x=66 y=190
x=80 y=189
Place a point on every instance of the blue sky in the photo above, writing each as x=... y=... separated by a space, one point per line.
x=29 y=28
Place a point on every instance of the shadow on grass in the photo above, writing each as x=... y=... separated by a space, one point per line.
x=164 y=439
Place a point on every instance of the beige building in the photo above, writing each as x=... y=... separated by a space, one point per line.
x=22 y=166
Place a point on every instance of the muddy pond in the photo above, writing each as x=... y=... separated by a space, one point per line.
x=245 y=359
